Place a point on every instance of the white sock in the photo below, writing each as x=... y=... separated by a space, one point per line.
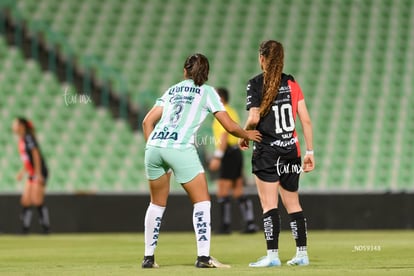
x=152 y=224
x=273 y=253
x=202 y=227
x=301 y=250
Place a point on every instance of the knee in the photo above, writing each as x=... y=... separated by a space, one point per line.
x=37 y=200
x=292 y=206
x=268 y=203
x=159 y=201
x=25 y=201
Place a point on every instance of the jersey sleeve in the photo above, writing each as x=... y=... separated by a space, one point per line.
x=299 y=91
x=213 y=103
x=161 y=101
x=253 y=98
x=30 y=142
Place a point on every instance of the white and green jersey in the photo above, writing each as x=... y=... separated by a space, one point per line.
x=185 y=108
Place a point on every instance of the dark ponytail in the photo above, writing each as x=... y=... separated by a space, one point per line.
x=28 y=125
x=197 y=68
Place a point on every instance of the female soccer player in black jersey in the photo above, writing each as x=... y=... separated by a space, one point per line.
x=35 y=167
x=273 y=100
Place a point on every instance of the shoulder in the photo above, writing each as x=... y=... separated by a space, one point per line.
x=287 y=77
x=30 y=140
x=208 y=90
x=257 y=80
x=28 y=137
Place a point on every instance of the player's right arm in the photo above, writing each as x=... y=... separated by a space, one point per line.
x=150 y=120
x=20 y=174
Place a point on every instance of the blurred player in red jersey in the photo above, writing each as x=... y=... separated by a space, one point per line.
x=35 y=167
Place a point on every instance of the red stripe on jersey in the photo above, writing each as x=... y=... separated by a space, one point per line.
x=296 y=96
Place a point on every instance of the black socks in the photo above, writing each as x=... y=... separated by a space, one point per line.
x=26 y=218
x=271 y=225
x=299 y=228
x=246 y=209
x=225 y=214
x=44 y=217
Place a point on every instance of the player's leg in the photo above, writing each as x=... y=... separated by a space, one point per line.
x=198 y=194
x=188 y=170
x=38 y=195
x=271 y=221
x=159 y=189
x=290 y=198
x=159 y=184
x=25 y=201
x=224 y=187
x=245 y=206
x=197 y=191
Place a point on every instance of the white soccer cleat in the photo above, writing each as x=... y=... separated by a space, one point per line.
x=300 y=259
x=266 y=261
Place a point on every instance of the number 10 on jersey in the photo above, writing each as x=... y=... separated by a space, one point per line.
x=283 y=118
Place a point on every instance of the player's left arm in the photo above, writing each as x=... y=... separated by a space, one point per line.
x=308 y=160
x=37 y=163
x=150 y=120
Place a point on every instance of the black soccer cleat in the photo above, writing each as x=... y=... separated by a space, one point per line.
x=224 y=230
x=149 y=262
x=45 y=230
x=209 y=262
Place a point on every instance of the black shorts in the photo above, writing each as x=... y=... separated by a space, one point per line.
x=231 y=163
x=45 y=175
x=268 y=165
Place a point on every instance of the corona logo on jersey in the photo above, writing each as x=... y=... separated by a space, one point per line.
x=183 y=88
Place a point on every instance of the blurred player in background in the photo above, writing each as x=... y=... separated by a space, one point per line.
x=35 y=167
x=273 y=100
x=169 y=129
x=228 y=160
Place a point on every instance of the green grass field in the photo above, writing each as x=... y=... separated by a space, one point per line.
x=331 y=253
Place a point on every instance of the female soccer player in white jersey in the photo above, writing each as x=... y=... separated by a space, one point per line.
x=169 y=129
x=273 y=100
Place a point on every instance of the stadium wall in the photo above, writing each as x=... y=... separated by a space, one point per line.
x=125 y=213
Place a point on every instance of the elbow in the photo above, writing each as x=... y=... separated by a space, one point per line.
x=253 y=121
x=145 y=123
x=307 y=124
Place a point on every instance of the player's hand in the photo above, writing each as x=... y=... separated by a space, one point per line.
x=243 y=144
x=215 y=164
x=39 y=178
x=254 y=135
x=308 y=163
x=20 y=175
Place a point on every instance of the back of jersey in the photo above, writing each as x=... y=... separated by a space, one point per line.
x=185 y=106
x=278 y=126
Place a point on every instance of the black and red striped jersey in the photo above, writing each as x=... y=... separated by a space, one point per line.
x=278 y=125
x=26 y=144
